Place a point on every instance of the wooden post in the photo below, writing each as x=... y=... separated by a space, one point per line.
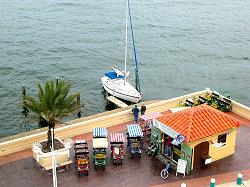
x=78 y=98
x=106 y=94
x=23 y=91
x=57 y=80
x=25 y=110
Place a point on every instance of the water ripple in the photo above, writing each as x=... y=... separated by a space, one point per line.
x=182 y=46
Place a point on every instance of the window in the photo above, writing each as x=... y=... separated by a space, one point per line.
x=222 y=138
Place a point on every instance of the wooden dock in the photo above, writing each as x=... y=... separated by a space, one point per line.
x=117 y=102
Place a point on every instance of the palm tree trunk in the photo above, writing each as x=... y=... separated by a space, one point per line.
x=49 y=138
x=53 y=134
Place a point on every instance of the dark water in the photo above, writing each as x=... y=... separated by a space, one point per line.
x=183 y=46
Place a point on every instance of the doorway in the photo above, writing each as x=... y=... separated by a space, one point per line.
x=200 y=152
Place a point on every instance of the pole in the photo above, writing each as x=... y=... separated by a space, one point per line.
x=78 y=104
x=212 y=182
x=23 y=91
x=137 y=77
x=24 y=95
x=239 y=179
x=53 y=161
x=25 y=109
x=126 y=44
x=57 y=80
x=78 y=97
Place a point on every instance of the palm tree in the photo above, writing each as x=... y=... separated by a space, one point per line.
x=53 y=103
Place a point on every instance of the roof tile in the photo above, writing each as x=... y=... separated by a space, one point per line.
x=199 y=122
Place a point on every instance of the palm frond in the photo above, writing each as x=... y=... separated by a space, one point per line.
x=54 y=101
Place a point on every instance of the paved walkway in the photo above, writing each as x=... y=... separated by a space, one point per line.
x=222 y=180
x=234 y=184
x=19 y=169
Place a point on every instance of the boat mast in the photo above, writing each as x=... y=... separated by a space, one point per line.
x=126 y=43
x=137 y=78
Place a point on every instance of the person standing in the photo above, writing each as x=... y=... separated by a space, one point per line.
x=135 y=111
x=168 y=146
x=143 y=109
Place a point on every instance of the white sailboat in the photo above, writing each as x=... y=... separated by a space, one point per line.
x=116 y=82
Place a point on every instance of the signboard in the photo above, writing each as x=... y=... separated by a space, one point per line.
x=117 y=151
x=165 y=129
x=178 y=140
x=181 y=167
x=186 y=154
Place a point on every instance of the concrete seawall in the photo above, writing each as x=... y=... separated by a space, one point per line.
x=24 y=141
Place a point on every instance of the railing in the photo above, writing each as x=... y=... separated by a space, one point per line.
x=106 y=119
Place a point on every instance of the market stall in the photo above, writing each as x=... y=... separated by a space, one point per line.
x=146 y=121
x=200 y=135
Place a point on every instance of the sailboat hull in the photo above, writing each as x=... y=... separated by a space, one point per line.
x=117 y=88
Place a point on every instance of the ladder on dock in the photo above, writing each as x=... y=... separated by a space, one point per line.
x=117 y=102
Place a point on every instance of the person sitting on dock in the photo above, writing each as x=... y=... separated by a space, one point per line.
x=135 y=111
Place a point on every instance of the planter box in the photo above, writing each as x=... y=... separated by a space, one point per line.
x=45 y=159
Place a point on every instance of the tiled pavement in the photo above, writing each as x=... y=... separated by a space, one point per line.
x=19 y=169
x=222 y=180
x=233 y=184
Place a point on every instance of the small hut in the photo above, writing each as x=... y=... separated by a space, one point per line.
x=200 y=135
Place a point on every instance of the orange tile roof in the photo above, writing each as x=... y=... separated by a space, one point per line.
x=199 y=122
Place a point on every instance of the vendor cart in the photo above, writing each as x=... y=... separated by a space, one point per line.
x=117 y=148
x=100 y=144
x=146 y=122
x=134 y=137
x=81 y=157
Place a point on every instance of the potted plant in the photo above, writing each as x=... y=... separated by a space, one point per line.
x=52 y=104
